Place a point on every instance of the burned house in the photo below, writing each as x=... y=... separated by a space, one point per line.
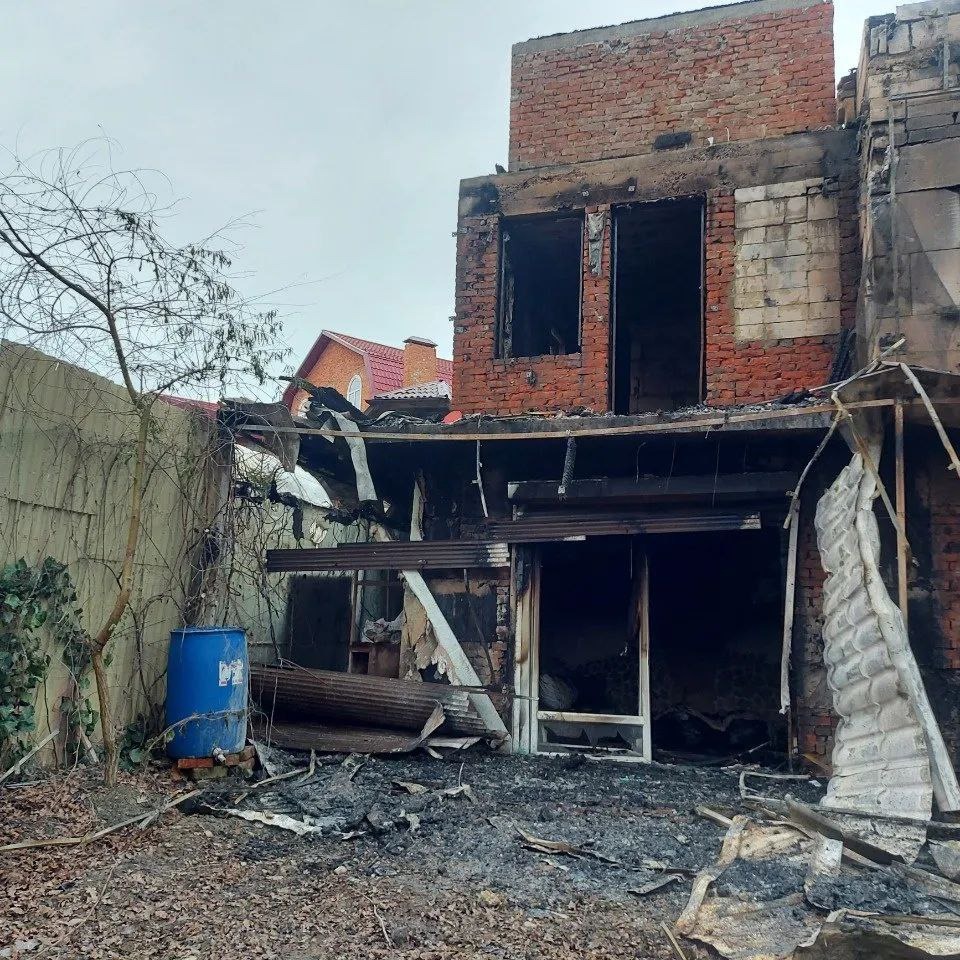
x=705 y=349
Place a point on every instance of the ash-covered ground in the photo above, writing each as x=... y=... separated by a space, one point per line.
x=442 y=872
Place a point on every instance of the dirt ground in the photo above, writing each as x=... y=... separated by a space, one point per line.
x=425 y=874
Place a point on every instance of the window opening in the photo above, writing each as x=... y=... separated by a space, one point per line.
x=540 y=276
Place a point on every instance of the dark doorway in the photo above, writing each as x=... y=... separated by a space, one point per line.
x=319 y=621
x=657 y=344
x=716 y=628
x=589 y=643
x=540 y=270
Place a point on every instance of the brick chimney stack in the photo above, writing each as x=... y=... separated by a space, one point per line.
x=419 y=361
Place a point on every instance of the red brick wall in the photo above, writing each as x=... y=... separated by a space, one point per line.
x=736 y=372
x=742 y=78
x=483 y=383
x=753 y=371
x=336 y=368
x=419 y=363
x=814 y=720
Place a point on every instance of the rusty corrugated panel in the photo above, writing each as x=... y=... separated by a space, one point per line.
x=880 y=758
x=327 y=738
x=295 y=692
x=564 y=525
x=394 y=555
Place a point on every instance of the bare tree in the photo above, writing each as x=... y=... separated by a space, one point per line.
x=87 y=275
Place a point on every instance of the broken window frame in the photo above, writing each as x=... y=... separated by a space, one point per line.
x=506 y=286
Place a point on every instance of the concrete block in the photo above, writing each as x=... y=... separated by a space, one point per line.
x=749 y=194
x=749 y=317
x=791 y=329
x=898 y=40
x=753 y=251
x=786 y=298
x=946 y=267
x=909 y=88
x=825 y=243
x=752 y=235
x=743 y=332
x=821 y=208
x=934 y=134
x=927 y=8
x=750 y=284
x=749 y=301
x=776 y=232
x=761 y=213
x=823 y=285
x=795 y=231
x=878 y=40
x=791 y=280
x=749 y=268
x=796 y=209
x=932 y=219
x=793 y=188
x=824 y=310
x=931 y=120
x=797 y=248
x=948 y=103
x=928 y=166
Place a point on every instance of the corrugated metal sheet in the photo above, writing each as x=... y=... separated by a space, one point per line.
x=394 y=555
x=295 y=692
x=564 y=525
x=880 y=759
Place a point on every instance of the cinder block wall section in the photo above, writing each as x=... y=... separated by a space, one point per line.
x=741 y=71
x=908 y=85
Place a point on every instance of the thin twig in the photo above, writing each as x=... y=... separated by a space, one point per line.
x=673 y=941
x=16 y=768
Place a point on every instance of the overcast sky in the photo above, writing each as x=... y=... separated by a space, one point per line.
x=341 y=129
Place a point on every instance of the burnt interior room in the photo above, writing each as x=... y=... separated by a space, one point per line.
x=540 y=271
x=589 y=646
x=657 y=361
x=319 y=621
x=716 y=627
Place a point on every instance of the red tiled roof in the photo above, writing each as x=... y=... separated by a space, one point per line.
x=205 y=407
x=384 y=363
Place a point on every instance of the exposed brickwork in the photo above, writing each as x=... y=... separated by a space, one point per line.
x=736 y=371
x=419 y=362
x=753 y=371
x=336 y=367
x=483 y=383
x=742 y=78
x=814 y=718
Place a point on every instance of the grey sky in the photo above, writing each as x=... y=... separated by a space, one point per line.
x=343 y=129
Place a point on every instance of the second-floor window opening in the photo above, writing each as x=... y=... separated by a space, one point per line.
x=657 y=342
x=540 y=273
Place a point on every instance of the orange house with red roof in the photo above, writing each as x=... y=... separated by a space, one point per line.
x=362 y=369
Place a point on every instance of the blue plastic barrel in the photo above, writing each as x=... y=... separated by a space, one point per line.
x=207 y=673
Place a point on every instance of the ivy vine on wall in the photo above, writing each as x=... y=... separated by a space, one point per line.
x=38 y=604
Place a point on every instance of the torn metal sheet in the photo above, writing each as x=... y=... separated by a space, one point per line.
x=889 y=756
x=366 y=491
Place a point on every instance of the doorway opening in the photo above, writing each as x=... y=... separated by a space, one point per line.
x=657 y=340
x=589 y=687
x=319 y=621
x=716 y=628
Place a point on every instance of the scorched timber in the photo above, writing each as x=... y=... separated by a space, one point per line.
x=357 y=698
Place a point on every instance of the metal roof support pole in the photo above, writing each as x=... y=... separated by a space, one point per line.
x=902 y=591
x=789 y=593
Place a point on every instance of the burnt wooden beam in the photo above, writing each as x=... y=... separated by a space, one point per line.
x=819 y=153
x=612 y=490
